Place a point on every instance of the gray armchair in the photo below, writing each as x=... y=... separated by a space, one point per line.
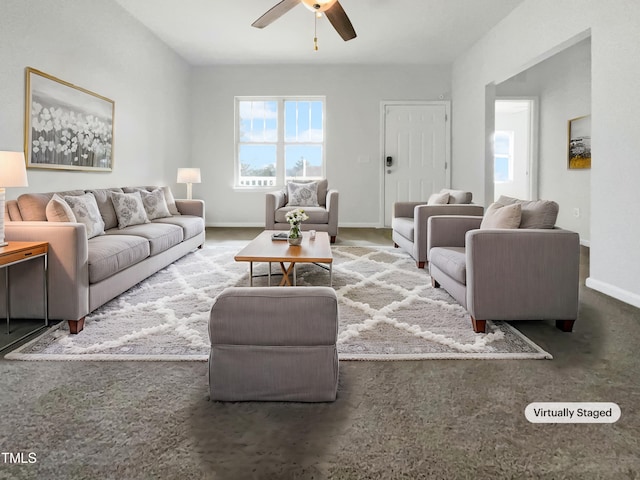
x=506 y=274
x=323 y=218
x=410 y=225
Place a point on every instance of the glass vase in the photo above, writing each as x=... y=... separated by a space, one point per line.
x=295 y=235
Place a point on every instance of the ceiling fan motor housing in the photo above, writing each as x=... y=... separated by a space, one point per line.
x=318 y=5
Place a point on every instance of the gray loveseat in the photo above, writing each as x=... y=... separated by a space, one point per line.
x=86 y=273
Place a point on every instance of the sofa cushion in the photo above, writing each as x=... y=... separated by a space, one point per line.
x=317 y=215
x=452 y=261
x=33 y=206
x=86 y=211
x=105 y=205
x=129 y=209
x=59 y=211
x=501 y=216
x=161 y=236
x=302 y=194
x=168 y=196
x=191 y=225
x=535 y=213
x=110 y=254
x=438 y=199
x=405 y=226
x=323 y=188
x=458 y=196
x=155 y=204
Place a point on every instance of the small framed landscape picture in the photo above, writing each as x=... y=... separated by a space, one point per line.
x=66 y=127
x=580 y=142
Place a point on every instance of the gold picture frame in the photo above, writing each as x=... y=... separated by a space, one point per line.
x=579 y=148
x=66 y=127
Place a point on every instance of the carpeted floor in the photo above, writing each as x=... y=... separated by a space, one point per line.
x=394 y=420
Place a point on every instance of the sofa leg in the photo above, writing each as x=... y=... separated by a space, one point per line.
x=434 y=283
x=479 y=326
x=565 y=325
x=76 y=326
x=200 y=246
x=395 y=245
x=333 y=239
x=420 y=264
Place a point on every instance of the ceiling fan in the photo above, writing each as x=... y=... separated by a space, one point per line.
x=331 y=8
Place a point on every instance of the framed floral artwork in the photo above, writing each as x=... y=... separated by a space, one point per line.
x=580 y=142
x=66 y=127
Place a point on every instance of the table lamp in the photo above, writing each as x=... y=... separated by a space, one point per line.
x=188 y=176
x=13 y=173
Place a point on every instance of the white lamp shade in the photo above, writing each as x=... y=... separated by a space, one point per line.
x=188 y=175
x=13 y=170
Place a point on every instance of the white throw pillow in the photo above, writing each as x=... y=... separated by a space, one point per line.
x=58 y=210
x=502 y=216
x=85 y=209
x=438 y=199
x=129 y=209
x=302 y=194
x=155 y=204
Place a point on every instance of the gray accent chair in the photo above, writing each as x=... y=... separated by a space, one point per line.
x=506 y=274
x=409 y=223
x=274 y=344
x=323 y=218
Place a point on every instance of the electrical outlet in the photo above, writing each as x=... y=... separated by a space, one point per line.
x=576 y=212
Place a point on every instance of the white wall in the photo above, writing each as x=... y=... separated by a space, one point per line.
x=534 y=31
x=563 y=85
x=353 y=96
x=98 y=46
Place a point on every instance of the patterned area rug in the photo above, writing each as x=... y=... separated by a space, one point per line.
x=388 y=311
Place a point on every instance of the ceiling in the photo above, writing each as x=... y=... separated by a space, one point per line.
x=210 y=32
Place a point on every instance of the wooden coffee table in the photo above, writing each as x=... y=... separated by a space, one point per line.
x=264 y=249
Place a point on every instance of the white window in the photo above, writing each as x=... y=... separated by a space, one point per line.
x=503 y=156
x=278 y=139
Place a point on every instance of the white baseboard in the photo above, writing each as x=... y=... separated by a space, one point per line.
x=613 y=291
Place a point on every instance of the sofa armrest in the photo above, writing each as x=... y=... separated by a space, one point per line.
x=522 y=274
x=405 y=209
x=450 y=230
x=190 y=207
x=68 y=268
x=333 y=206
x=273 y=201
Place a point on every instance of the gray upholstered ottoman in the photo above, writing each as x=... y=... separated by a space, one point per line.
x=271 y=343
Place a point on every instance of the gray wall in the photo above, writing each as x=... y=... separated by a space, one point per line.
x=98 y=46
x=353 y=96
x=535 y=31
x=563 y=85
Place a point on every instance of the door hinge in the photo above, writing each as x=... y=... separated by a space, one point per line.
x=446 y=117
x=446 y=165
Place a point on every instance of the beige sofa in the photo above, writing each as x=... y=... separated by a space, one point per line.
x=86 y=273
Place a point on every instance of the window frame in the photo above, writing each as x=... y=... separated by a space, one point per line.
x=281 y=142
x=509 y=156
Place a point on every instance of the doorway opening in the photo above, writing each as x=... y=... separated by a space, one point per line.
x=515 y=141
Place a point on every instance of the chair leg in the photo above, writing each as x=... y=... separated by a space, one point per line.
x=420 y=264
x=565 y=325
x=333 y=239
x=395 y=245
x=434 y=283
x=479 y=326
x=76 y=326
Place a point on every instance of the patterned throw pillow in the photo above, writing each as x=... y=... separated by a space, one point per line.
x=129 y=209
x=85 y=209
x=58 y=210
x=155 y=204
x=302 y=194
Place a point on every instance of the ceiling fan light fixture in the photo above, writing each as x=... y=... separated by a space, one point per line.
x=318 y=5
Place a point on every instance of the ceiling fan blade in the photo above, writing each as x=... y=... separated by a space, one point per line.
x=341 y=22
x=275 y=13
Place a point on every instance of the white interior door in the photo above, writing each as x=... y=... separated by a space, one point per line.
x=416 y=152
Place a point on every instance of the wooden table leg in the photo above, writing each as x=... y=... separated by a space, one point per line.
x=285 y=274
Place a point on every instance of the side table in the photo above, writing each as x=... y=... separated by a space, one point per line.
x=18 y=252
